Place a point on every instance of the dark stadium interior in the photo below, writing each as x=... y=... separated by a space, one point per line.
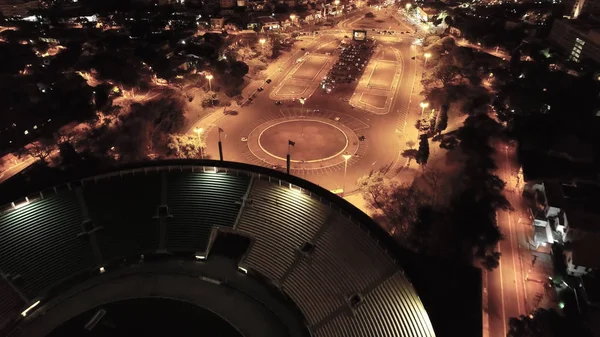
x=147 y=317
x=273 y=254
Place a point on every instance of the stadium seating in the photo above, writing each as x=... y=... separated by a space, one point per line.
x=126 y=208
x=345 y=261
x=10 y=303
x=281 y=220
x=344 y=281
x=392 y=309
x=39 y=242
x=198 y=202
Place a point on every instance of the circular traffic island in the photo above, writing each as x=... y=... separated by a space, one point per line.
x=314 y=140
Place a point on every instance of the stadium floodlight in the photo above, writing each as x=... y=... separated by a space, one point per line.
x=200 y=257
x=243 y=270
x=24 y=313
x=102 y=270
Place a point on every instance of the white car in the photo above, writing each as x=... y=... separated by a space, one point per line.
x=244 y=139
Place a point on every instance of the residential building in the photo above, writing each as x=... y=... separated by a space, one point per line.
x=577 y=39
x=227 y=4
x=583 y=256
x=268 y=23
x=569 y=209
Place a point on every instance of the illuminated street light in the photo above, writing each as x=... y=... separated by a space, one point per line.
x=423 y=105
x=346 y=157
x=209 y=77
x=199 y=132
x=293 y=17
x=427 y=56
x=262 y=42
x=408 y=6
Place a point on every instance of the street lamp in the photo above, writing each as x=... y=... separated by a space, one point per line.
x=209 y=77
x=262 y=43
x=408 y=6
x=302 y=101
x=346 y=157
x=199 y=132
x=293 y=17
x=427 y=56
x=423 y=105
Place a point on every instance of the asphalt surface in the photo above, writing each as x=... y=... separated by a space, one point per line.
x=506 y=285
x=383 y=133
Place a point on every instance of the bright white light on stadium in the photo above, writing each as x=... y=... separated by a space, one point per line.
x=25 y=203
x=24 y=313
x=200 y=257
x=243 y=270
x=295 y=190
x=102 y=270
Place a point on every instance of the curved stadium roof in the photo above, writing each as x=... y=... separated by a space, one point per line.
x=348 y=284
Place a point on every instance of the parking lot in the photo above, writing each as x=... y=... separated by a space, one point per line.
x=382 y=76
x=351 y=63
x=309 y=69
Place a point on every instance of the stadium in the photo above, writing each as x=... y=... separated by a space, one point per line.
x=224 y=248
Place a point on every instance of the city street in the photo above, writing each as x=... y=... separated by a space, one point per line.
x=512 y=289
x=372 y=141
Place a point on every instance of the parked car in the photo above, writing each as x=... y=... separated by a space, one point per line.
x=277 y=102
x=261 y=89
x=268 y=81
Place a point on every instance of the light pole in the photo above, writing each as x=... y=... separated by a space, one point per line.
x=423 y=105
x=209 y=77
x=427 y=56
x=262 y=44
x=337 y=3
x=302 y=101
x=346 y=157
x=408 y=7
x=293 y=17
x=198 y=131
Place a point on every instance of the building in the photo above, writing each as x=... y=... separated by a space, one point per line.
x=577 y=39
x=583 y=256
x=570 y=209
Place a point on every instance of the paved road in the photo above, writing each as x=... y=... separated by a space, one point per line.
x=508 y=294
x=384 y=134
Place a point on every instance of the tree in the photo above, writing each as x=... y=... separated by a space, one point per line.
x=396 y=204
x=239 y=69
x=546 y=323
x=410 y=154
x=433 y=178
x=185 y=146
x=41 y=149
x=423 y=152
x=442 y=122
x=410 y=143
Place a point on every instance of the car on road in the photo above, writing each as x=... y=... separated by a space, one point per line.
x=303 y=49
x=244 y=139
x=277 y=102
x=268 y=81
x=261 y=89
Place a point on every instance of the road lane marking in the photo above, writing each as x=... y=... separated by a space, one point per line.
x=504 y=322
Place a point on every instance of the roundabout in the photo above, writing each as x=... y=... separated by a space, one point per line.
x=319 y=142
x=315 y=140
